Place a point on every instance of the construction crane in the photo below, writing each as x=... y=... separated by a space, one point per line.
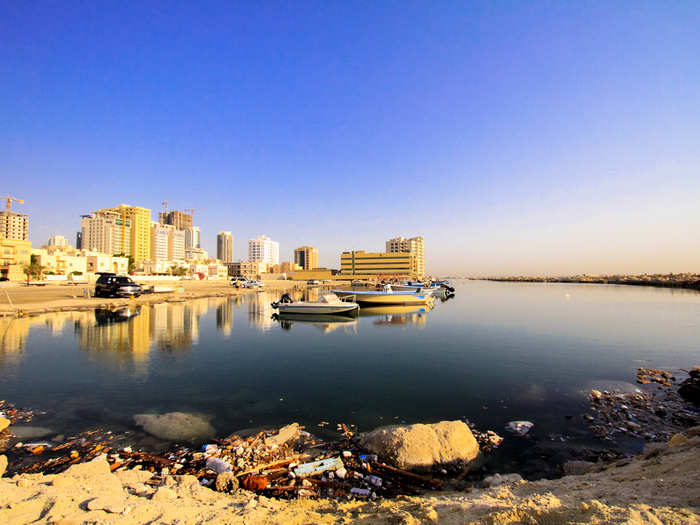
x=9 y=200
x=165 y=203
x=191 y=210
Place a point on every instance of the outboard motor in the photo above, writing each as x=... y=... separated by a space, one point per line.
x=286 y=298
x=448 y=288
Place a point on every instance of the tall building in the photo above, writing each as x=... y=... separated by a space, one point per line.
x=414 y=245
x=140 y=219
x=192 y=238
x=176 y=245
x=160 y=237
x=107 y=232
x=179 y=219
x=264 y=249
x=224 y=247
x=57 y=240
x=79 y=240
x=14 y=226
x=306 y=257
x=384 y=264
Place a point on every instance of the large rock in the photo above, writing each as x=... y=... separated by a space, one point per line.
x=4 y=423
x=177 y=426
x=690 y=388
x=422 y=446
x=3 y=465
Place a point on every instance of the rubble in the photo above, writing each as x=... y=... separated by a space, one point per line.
x=654 y=413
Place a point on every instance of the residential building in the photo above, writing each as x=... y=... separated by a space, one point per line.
x=263 y=249
x=192 y=238
x=100 y=262
x=160 y=239
x=306 y=257
x=107 y=232
x=57 y=240
x=179 y=219
x=176 y=245
x=224 y=247
x=414 y=245
x=247 y=269
x=61 y=262
x=14 y=226
x=196 y=254
x=140 y=221
x=382 y=264
x=14 y=255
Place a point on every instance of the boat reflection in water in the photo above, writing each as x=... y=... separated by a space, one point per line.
x=325 y=323
x=396 y=315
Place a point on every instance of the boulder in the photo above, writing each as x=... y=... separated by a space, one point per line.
x=578 y=468
x=177 y=426
x=651 y=450
x=693 y=431
x=283 y=436
x=3 y=465
x=690 y=388
x=422 y=446
x=4 y=423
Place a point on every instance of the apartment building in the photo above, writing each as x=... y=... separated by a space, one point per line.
x=140 y=234
x=14 y=226
x=224 y=247
x=107 y=232
x=263 y=249
x=179 y=219
x=14 y=255
x=414 y=245
x=306 y=257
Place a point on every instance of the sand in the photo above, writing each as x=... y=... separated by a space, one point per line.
x=660 y=489
x=17 y=299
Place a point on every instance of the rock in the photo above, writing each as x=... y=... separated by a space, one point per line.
x=693 y=431
x=501 y=479
x=176 y=426
x=164 y=494
x=226 y=482
x=3 y=465
x=96 y=467
x=114 y=505
x=596 y=394
x=652 y=450
x=677 y=440
x=690 y=388
x=578 y=468
x=4 y=423
x=694 y=441
x=28 y=432
x=283 y=436
x=421 y=446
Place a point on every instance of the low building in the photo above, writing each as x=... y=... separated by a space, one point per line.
x=101 y=262
x=15 y=254
x=361 y=263
x=247 y=269
x=317 y=274
x=61 y=262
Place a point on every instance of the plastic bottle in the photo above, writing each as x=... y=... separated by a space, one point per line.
x=218 y=465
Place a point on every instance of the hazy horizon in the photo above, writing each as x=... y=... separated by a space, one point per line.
x=538 y=139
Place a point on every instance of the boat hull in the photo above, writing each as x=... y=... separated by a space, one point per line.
x=385 y=298
x=315 y=309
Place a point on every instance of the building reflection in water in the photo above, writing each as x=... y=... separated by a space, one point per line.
x=224 y=317
x=260 y=311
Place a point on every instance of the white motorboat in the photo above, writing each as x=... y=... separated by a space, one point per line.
x=387 y=296
x=326 y=304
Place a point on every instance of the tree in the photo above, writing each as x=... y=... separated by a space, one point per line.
x=33 y=269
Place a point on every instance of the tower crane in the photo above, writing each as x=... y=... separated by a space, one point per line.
x=9 y=199
x=165 y=204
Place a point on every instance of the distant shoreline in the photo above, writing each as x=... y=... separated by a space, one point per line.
x=684 y=281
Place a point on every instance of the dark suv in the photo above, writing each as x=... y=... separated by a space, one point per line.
x=113 y=285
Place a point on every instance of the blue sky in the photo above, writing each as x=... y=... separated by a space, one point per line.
x=516 y=137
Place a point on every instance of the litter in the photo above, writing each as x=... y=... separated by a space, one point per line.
x=520 y=427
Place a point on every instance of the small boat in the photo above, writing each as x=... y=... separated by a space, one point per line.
x=326 y=304
x=386 y=296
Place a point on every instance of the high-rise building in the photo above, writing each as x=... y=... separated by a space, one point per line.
x=179 y=219
x=57 y=240
x=224 y=247
x=79 y=240
x=176 y=245
x=140 y=219
x=107 y=232
x=383 y=264
x=14 y=226
x=306 y=257
x=414 y=245
x=160 y=237
x=192 y=238
x=264 y=249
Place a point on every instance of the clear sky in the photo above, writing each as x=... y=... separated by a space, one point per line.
x=516 y=137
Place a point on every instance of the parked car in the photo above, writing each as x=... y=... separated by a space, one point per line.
x=113 y=285
x=254 y=284
x=238 y=282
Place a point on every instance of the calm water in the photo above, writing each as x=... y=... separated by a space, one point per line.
x=495 y=352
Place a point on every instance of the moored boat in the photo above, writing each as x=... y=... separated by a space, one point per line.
x=387 y=296
x=327 y=304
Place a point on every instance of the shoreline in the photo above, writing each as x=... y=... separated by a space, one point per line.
x=685 y=284
x=19 y=301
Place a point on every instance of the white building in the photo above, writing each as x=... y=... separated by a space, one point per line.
x=160 y=238
x=264 y=249
x=414 y=245
x=57 y=240
x=192 y=240
x=103 y=233
x=176 y=245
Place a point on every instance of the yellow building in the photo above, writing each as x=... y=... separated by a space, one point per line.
x=14 y=255
x=306 y=257
x=140 y=220
x=414 y=245
x=384 y=264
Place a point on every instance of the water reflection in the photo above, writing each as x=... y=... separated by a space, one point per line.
x=396 y=315
x=325 y=323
